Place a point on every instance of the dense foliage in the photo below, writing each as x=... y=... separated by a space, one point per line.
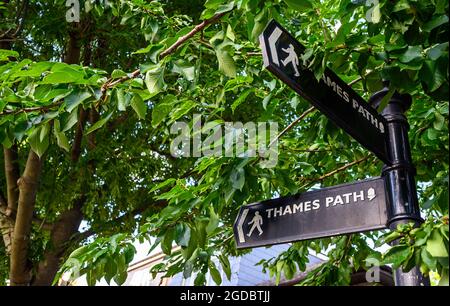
x=95 y=101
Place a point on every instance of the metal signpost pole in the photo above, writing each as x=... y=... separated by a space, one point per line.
x=403 y=206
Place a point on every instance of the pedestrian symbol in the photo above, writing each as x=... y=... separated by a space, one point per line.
x=257 y=222
x=291 y=58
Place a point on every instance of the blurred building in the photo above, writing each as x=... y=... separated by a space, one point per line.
x=244 y=271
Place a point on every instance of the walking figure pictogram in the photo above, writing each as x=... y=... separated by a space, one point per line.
x=291 y=58
x=257 y=222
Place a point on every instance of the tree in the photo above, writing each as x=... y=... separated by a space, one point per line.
x=86 y=110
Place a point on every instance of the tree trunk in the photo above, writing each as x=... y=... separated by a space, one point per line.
x=20 y=273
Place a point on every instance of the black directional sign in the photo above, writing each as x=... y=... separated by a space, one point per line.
x=282 y=56
x=342 y=209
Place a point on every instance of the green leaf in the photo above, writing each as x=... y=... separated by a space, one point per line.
x=182 y=234
x=162 y=109
x=110 y=269
x=260 y=23
x=98 y=124
x=435 y=22
x=200 y=279
x=163 y=184
x=279 y=268
x=64 y=75
x=225 y=265
x=432 y=134
x=266 y=100
x=185 y=69
x=166 y=242
x=185 y=107
x=213 y=221
x=439 y=123
x=444 y=281
x=75 y=98
x=117 y=73
x=37 y=145
x=129 y=253
x=201 y=232
x=226 y=62
x=428 y=259
x=436 y=245
x=215 y=274
x=187 y=270
x=241 y=98
x=45 y=128
x=388 y=238
x=412 y=53
x=437 y=51
x=139 y=106
x=6 y=54
x=237 y=178
x=78 y=253
x=230 y=33
x=35 y=70
x=71 y=120
x=121 y=102
x=121 y=278
x=299 y=5
x=386 y=99
x=61 y=138
x=288 y=271
x=154 y=79
x=225 y=7
x=20 y=129
x=397 y=255
x=400 y=6
x=433 y=74
x=44 y=93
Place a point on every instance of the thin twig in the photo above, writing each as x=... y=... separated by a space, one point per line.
x=355 y=81
x=31 y=109
x=290 y=126
x=355 y=162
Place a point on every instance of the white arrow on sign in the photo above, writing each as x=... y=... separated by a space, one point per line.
x=239 y=226
x=272 y=40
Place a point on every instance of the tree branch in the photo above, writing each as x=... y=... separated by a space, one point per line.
x=31 y=109
x=194 y=31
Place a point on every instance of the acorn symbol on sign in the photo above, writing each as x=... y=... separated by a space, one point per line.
x=371 y=194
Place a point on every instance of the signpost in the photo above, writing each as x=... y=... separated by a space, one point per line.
x=332 y=96
x=337 y=210
x=361 y=206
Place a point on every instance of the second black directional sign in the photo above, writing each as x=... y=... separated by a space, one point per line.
x=332 y=96
x=336 y=210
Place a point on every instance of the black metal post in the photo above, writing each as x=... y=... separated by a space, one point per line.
x=403 y=206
